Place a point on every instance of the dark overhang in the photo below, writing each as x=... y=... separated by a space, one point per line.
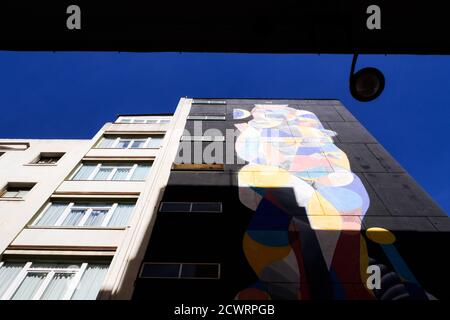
x=249 y=26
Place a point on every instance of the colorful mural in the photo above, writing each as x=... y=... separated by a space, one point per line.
x=304 y=239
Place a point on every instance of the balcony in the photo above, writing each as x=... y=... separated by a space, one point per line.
x=100 y=187
x=70 y=238
x=137 y=127
x=100 y=153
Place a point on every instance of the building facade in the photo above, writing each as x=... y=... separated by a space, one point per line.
x=75 y=213
x=290 y=199
x=224 y=199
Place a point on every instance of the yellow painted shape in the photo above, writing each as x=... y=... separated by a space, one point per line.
x=325 y=222
x=264 y=176
x=380 y=235
x=314 y=207
x=246 y=178
x=260 y=256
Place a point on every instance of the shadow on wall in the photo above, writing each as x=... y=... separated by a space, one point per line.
x=275 y=252
x=291 y=224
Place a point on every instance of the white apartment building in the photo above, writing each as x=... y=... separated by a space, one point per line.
x=76 y=215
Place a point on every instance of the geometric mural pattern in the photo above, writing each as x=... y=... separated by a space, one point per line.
x=304 y=240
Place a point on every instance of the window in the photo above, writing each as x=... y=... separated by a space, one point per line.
x=207 y=117
x=203 y=138
x=175 y=207
x=51 y=281
x=143 y=120
x=206 y=207
x=222 y=102
x=90 y=215
x=180 y=270
x=112 y=172
x=15 y=191
x=215 y=207
x=153 y=142
x=14 y=146
x=48 y=158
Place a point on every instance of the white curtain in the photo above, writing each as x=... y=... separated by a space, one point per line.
x=155 y=142
x=121 y=173
x=74 y=217
x=106 y=143
x=96 y=218
x=29 y=286
x=87 y=289
x=84 y=172
x=52 y=214
x=121 y=215
x=103 y=173
x=58 y=286
x=8 y=272
x=91 y=282
x=140 y=174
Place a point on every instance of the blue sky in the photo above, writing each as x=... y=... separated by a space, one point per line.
x=70 y=95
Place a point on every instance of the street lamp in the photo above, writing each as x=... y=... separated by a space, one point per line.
x=366 y=84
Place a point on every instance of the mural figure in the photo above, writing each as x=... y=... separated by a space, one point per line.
x=304 y=239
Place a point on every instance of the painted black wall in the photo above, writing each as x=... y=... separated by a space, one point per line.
x=397 y=203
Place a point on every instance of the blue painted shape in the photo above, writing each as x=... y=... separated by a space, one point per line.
x=306 y=151
x=342 y=199
x=270 y=238
x=398 y=263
